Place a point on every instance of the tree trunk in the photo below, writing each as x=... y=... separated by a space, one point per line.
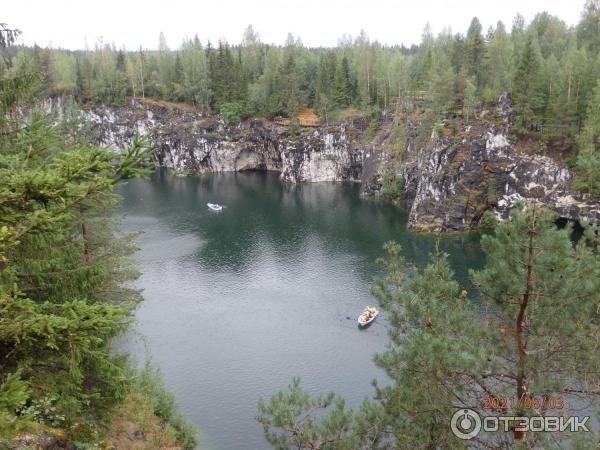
x=85 y=236
x=142 y=76
x=519 y=339
x=86 y=247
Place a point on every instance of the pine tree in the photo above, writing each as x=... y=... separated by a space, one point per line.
x=292 y=418
x=534 y=335
x=543 y=292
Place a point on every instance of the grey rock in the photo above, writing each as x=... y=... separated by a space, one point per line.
x=194 y=142
x=449 y=182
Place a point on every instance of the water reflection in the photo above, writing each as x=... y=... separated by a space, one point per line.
x=239 y=302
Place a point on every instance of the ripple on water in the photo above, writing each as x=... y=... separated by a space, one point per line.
x=238 y=303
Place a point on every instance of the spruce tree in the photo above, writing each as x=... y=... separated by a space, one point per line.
x=63 y=272
x=587 y=178
x=527 y=95
x=341 y=84
x=475 y=52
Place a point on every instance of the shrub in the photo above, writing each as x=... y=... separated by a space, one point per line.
x=392 y=186
x=488 y=221
x=233 y=112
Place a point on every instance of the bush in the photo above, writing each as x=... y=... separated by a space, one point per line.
x=571 y=162
x=488 y=222
x=392 y=186
x=233 y=112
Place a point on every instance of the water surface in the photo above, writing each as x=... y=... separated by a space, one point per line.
x=239 y=302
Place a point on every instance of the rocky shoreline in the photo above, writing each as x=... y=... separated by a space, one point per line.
x=449 y=180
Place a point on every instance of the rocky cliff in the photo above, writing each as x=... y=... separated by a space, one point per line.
x=194 y=142
x=460 y=171
x=450 y=177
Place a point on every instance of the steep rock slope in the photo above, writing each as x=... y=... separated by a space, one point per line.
x=450 y=178
x=457 y=176
x=193 y=142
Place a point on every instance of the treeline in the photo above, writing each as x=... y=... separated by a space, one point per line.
x=550 y=68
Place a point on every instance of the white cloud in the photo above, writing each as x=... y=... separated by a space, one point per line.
x=68 y=23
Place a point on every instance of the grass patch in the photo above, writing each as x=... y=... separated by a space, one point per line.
x=149 y=419
x=166 y=104
x=342 y=115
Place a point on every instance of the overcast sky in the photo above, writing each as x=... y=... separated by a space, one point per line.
x=68 y=23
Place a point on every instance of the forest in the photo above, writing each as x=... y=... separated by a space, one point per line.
x=550 y=69
x=66 y=273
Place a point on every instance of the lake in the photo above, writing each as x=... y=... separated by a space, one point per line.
x=240 y=301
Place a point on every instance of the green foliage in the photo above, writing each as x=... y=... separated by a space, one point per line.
x=294 y=419
x=60 y=290
x=149 y=384
x=434 y=341
x=424 y=132
x=588 y=158
x=233 y=112
x=527 y=88
x=588 y=30
x=14 y=393
x=488 y=221
x=136 y=160
x=399 y=140
x=475 y=52
x=470 y=99
x=549 y=68
x=499 y=57
x=392 y=185
x=341 y=84
x=374 y=121
x=64 y=273
x=533 y=331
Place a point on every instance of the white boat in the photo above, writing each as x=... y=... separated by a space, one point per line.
x=365 y=319
x=214 y=206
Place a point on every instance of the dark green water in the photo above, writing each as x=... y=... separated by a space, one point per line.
x=239 y=302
